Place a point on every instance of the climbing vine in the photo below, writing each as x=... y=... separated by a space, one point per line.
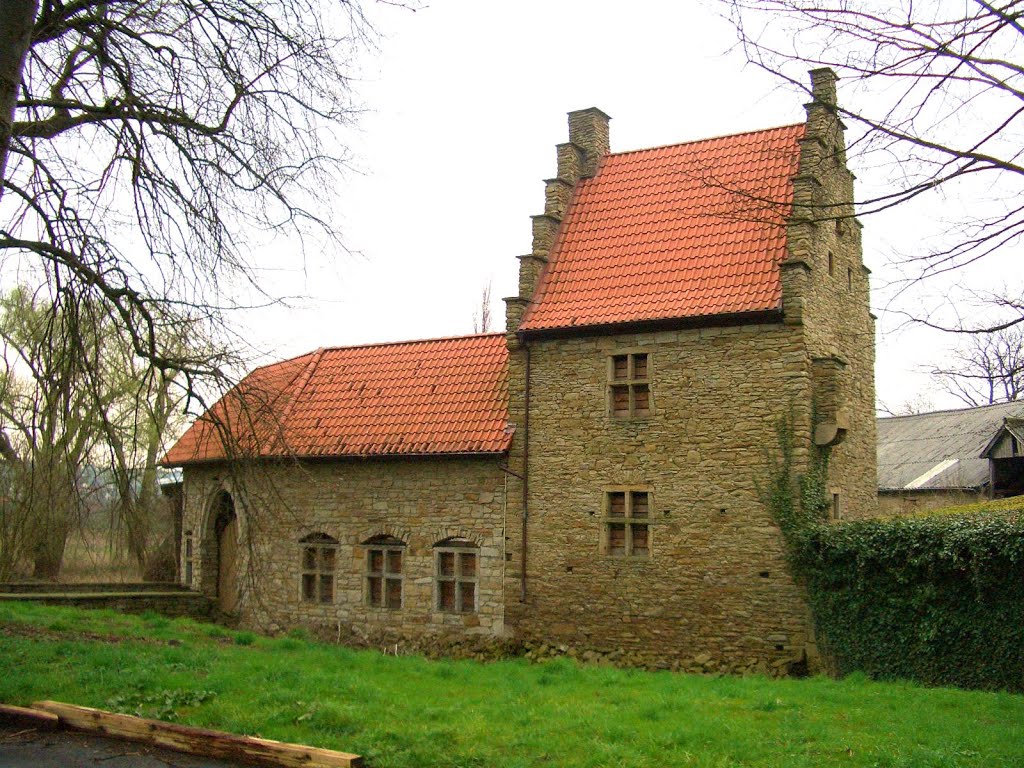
x=796 y=501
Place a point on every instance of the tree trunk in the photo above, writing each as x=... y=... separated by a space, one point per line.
x=16 y=22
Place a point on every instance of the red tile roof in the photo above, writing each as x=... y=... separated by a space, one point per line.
x=440 y=396
x=682 y=231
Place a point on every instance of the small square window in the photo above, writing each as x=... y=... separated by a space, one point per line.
x=309 y=559
x=309 y=587
x=616 y=539
x=640 y=536
x=616 y=504
x=629 y=388
x=446 y=596
x=627 y=523
x=467 y=597
x=446 y=563
x=394 y=594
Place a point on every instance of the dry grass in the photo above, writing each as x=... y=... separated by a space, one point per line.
x=89 y=559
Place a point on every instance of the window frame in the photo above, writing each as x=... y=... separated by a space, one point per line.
x=319 y=543
x=632 y=384
x=628 y=520
x=837 y=508
x=386 y=545
x=190 y=554
x=457 y=547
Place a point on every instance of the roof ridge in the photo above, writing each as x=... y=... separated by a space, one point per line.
x=303 y=379
x=368 y=345
x=705 y=139
x=276 y=363
x=1019 y=403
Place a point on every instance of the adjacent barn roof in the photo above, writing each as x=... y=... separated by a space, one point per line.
x=683 y=231
x=440 y=396
x=941 y=450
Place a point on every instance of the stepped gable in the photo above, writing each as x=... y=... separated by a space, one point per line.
x=683 y=231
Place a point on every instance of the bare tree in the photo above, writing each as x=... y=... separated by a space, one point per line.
x=144 y=145
x=482 y=317
x=934 y=93
x=47 y=430
x=919 y=403
x=987 y=368
x=147 y=138
x=75 y=422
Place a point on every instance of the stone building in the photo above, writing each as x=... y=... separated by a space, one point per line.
x=941 y=459
x=593 y=476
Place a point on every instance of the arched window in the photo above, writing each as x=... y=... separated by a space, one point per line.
x=384 y=559
x=456 y=567
x=318 y=560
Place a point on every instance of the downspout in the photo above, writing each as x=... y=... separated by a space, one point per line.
x=504 y=540
x=526 y=476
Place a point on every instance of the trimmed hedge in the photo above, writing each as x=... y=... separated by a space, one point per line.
x=936 y=599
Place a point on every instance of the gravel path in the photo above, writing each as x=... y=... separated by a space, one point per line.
x=29 y=748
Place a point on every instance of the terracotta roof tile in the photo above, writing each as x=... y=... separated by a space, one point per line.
x=440 y=396
x=680 y=231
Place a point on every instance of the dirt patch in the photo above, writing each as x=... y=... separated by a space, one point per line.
x=31 y=748
x=13 y=629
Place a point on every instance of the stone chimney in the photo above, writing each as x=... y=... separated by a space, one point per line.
x=578 y=159
x=823 y=87
x=588 y=130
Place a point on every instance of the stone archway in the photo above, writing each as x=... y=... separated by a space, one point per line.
x=225 y=534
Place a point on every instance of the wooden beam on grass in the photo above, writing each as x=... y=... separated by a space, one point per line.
x=197 y=741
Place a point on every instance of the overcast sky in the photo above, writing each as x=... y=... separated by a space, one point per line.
x=466 y=101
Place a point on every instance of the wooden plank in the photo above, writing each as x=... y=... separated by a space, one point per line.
x=198 y=741
x=30 y=718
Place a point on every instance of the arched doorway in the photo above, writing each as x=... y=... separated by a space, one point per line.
x=225 y=530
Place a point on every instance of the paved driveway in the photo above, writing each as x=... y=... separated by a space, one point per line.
x=28 y=748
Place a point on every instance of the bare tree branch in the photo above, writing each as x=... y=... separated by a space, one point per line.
x=935 y=94
x=987 y=368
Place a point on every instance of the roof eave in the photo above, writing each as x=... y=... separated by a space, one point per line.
x=759 y=317
x=337 y=457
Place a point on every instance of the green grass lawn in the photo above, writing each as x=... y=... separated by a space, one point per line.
x=416 y=713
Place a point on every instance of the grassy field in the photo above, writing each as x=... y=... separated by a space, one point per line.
x=415 y=713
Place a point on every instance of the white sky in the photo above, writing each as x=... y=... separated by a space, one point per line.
x=466 y=101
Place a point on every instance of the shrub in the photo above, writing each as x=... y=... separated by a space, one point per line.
x=938 y=599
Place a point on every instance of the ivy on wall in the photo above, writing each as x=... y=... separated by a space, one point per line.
x=796 y=501
x=937 y=599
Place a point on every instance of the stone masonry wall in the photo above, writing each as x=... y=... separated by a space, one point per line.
x=837 y=323
x=716 y=582
x=420 y=501
x=901 y=503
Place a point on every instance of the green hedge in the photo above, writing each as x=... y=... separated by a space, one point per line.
x=937 y=599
